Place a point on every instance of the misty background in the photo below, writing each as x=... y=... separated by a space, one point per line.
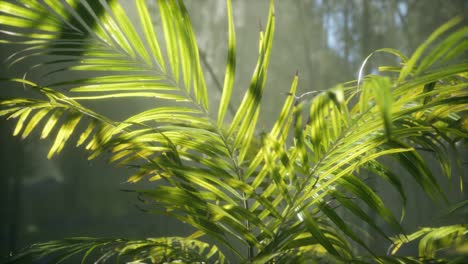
x=325 y=41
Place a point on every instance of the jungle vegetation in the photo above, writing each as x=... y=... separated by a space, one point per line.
x=296 y=193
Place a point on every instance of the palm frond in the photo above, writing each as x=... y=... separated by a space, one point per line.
x=244 y=122
x=100 y=250
x=433 y=239
x=279 y=202
x=341 y=137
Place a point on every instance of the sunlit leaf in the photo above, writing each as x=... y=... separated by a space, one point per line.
x=230 y=66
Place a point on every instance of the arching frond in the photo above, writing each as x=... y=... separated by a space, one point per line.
x=340 y=138
x=276 y=194
x=436 y=240
x=154 y=250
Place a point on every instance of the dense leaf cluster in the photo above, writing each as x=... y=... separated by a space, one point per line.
x=276 y=194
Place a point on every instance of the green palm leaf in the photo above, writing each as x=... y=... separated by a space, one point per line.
x=279 y=202
x=435 y=239
x=230 y=67
x=155 y=250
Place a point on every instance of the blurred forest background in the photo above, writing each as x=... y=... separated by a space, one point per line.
x=324 y=40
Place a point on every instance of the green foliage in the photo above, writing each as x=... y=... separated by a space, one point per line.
x=276 y=194
x=449 y=240
x=434 y=239
x=154 y=250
